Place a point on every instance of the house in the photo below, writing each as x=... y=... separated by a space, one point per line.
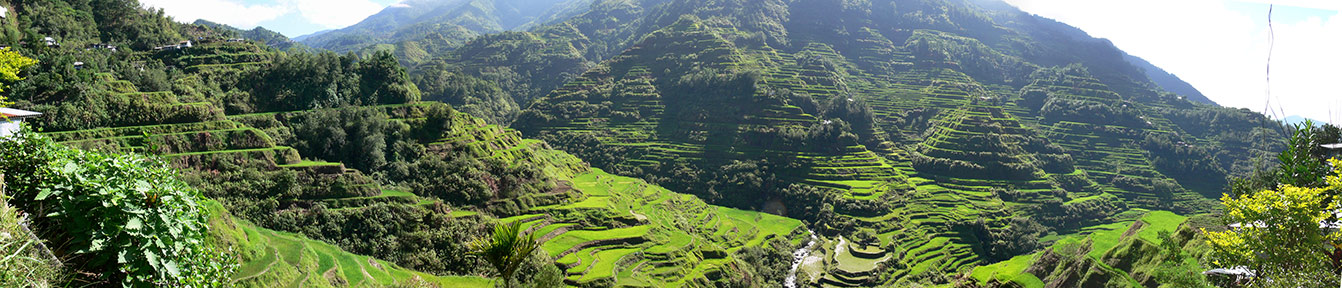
x=231 y=40
x=1334 y=150
x=79 y=65
x=50 y=41
x=179 y=46
x=1234 y=276
x=102 y=46
x=10 y=120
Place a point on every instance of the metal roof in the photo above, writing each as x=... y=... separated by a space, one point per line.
x=16 y=113
x=1332 y=146
x=1240 y=270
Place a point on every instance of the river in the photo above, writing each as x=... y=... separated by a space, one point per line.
x=797 y=258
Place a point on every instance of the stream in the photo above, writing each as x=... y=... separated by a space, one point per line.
x=797 y=258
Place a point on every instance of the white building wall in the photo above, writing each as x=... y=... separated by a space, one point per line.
x=9 y=127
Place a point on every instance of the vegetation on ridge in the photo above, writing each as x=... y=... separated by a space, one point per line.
x=926 y=143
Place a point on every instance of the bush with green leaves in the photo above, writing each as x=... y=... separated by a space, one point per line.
x=120 y=217
x=23 y=259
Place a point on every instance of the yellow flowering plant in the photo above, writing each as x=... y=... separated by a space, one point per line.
x=11 y=63
x=1277 y=233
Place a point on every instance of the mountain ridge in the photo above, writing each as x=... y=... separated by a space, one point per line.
x=663 y=142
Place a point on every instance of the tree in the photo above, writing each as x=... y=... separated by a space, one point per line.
x=506 y=250
x=1299 y=164
x=1279 y=235
x=11 y=63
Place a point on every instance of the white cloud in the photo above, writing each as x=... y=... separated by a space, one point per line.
x=222 y=11
x=335 y=13
x=1221 y=51
x=1333 y=5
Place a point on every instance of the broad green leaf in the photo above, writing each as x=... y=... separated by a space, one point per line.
x=44 y=194
x=142 y=186
x=171 y=266
x=134 y=224
x=152 y=258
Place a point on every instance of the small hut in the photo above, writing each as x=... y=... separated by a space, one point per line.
x=10 y=119
x=1334 y=150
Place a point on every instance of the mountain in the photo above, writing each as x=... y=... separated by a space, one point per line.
x=259 y=34
x=981 y=128
x=442 y=22
x=648 y=143
x=325 y=169
x=1168 y=81
x=310 y=35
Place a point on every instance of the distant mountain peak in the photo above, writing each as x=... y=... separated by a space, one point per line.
x=432 y=19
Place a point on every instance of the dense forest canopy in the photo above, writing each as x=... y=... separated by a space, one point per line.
x=647 y=143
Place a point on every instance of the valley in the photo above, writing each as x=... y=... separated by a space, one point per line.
x=637 y=143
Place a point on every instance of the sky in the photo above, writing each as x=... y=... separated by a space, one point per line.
x=292 y=18
x=1221 y=47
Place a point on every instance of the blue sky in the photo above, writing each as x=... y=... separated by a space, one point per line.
x=1219 y=46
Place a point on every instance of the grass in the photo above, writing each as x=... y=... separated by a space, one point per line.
x=309 y=163
x=463 y=213
x=286 y=258
x=254 y=268
x=848 y=262
x=674 y=223
x=1159 y=221
x=605 y=263
x=1011 y=270
x=574 y=238
x=21 y=262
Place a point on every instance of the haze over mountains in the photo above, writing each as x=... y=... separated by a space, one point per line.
x=653 y=143
x=451 y=21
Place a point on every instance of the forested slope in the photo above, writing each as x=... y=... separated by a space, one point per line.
x=924 y=142
x=316 y=154
x=952 y=135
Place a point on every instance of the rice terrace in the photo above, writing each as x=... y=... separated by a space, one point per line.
x=669 y=143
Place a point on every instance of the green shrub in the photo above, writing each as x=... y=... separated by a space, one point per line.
x=22 y=261
x=122 y=217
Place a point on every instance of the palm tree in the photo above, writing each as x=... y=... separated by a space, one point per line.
x=506 y=249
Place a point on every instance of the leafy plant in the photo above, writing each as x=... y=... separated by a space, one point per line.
x=1279 y=235
x=1298 y=166
x=507 y=249
x=11 y=63
x=22 y=263
x=123 y=217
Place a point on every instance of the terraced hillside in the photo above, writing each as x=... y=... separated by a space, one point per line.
x=1109 y=142
x=937 y=146
x=924 y=142
x=591 y=223
x=1127 y=253
x=281 y=259
x=647 y=236
x=641 y=113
